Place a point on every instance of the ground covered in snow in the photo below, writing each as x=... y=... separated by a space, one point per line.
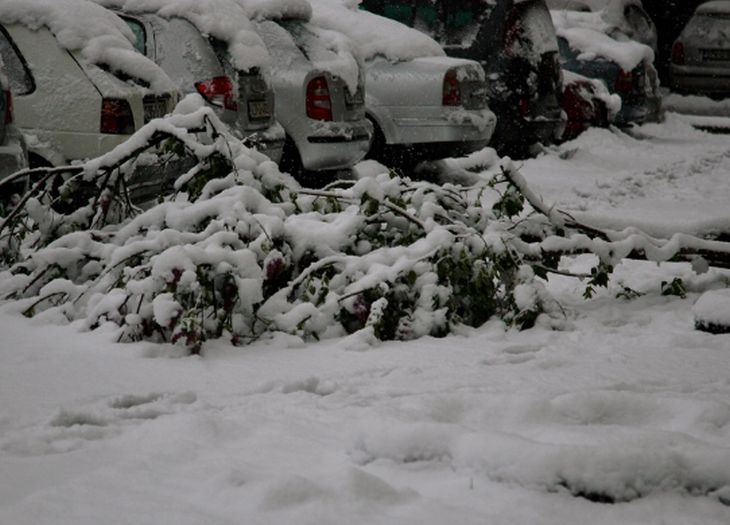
x=621 y=417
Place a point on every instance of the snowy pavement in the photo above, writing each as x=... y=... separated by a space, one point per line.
x=621 y=417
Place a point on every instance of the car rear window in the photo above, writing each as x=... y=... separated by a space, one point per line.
x=709 y=29
x=530 y=32
x=185 y=54
x=19 y=78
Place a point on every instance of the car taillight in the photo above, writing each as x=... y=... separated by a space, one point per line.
x=624 y=81
x=219 y=92
x=319 y=103
x=678 y=53
x=452 y=90
x=8 y=107
x=524 y=106
x=116 y=117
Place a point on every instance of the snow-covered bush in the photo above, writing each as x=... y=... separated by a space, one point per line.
x=238 y=249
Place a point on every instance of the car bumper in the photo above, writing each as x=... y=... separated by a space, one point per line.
x=439 y=126
x=269 y=141
x=700 y=80
x=335 y=145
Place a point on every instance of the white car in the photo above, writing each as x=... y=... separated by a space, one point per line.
x=423 y=104
x=79 y=86
x=223 y=60
x=319 y=90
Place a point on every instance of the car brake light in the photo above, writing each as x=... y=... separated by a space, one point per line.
x=319 y=103
x=624 y=81
x=116 y=117
x=219 y=92
x=452 y=90
x=678 y=53
x=8 y=107
x=524 y=106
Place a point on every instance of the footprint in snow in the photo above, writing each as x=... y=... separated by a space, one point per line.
x=71 y=429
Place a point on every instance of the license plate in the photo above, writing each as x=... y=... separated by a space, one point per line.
x=354 y=100
x=716 y=54
x=154 y=109
x=258 y=110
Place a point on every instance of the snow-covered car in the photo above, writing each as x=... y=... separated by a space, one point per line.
x=423 y=104
x=701 y=55
x=13 y=153
x=79 y=86
x=587 y=103
x=213 y=62
x=514 y=41
x=624 y=66
x=320 y=90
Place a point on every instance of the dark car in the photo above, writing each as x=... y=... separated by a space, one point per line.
x=515 y=43
x=630 y=85
x=701 y=55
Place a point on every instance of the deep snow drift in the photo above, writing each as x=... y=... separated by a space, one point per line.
x=620 y=417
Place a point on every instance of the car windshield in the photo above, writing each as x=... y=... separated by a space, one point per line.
x=709 y=29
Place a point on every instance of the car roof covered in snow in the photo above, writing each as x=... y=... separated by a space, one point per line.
x=98 y=35
x=374 y=35
x=714 y=7
x=224 y=20
x=588 y=33
x=277 y=9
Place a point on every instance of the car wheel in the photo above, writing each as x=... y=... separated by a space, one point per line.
x=291 y=161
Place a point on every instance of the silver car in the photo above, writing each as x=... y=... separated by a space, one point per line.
x=423 y=104
x=701 y=54
x=243 y=99
x=322 y=112
x=13 y=153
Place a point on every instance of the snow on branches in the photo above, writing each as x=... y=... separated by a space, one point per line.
x=228 y=246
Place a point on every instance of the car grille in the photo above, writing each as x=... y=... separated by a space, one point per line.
x=715 y=55
x=155 y=107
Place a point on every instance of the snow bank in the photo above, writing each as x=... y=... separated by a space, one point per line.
x=374 y=35
x=712 y=311
x=79 y=25
x=224 y=20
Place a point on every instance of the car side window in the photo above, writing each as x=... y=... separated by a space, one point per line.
x=637 y=19
x=140 y=35
x=19 y=77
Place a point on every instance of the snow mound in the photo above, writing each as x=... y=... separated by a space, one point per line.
x=101 y=37
x=712 y=311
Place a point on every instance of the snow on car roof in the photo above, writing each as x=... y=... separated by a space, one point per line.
x=225 y=20
x=588 y=34
x=96 y=33
x=714 y=7
x=374 y=35
x=277 y=9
